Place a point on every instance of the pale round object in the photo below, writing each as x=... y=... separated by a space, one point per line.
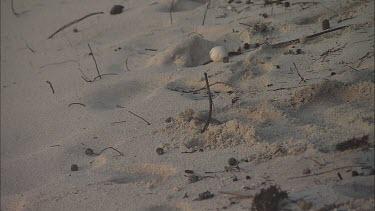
x=218 y=54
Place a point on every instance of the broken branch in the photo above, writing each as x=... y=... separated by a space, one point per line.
x=50 y=84
x=73 y=22
x=140 y=117
x=210 y=101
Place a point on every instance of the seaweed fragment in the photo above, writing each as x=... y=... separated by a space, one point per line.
x=268 y=199
x=353 y=143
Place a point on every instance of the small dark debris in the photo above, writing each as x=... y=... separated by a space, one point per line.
x=353 y=143
x=286 y=4
x=299 y=51
x=204 y=196
x=268 y=199
x=189 y=171
x=74 y=167
x=235 y=179
x=248 y=177
x=277 y=66
x=246 y=46
x=116 y=9
x=325 y=24
x=339 y=175
x=268 y=85
x=355 y=174
x=238 y=2
x=192 y=178
x=248 y=2
x=306 y=171
x=89 y=151
x=169 y=119
x=75 y=30
x=333 y=73
x=90 y=54
x=230 y=1
x=159 y=151
x=264 y=15
x=232 y=162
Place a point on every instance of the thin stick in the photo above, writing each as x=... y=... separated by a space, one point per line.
x=140 y=118
x=236 y=195
x=126 y=64
x=302 y=79
x=96 y=65
x=210 y=101
x=27 y=45
x=308 y=37
x=205 y=12
x=50 y=84
x=150 y=49
x=77 y=104
x=87 y=80
x=110 y=148
x=324 y=172
x=118 y=122
x=73 y=22
x=13 y=10
x=170 y=12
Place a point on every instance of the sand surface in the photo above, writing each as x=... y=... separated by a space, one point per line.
x=280 y=110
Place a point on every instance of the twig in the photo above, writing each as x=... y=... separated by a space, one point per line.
x=324 y=172
x=96 y=65
x=77 y=104
x=56 y=145
x=277 y=45
x=150 y=49
x=13 y=10
x=302 y=79
x=205 y=12
x=210 y=101
x=126 y=64
x=170 y=12
x=110 y=148
x=140 y=117
x=50 y=84
x=117 y=122
x=27 y=45
x=364 y=57
x=87 y=80
x=73 y=22
x=236 y=195
x=118 y=106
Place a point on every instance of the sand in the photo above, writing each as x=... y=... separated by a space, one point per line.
x=279 y=110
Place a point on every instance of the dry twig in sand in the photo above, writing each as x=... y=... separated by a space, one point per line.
x=126 y=64
x=170 y=12
x=210 y=101
x=205 y=12
x=96 y=65
x=324 y=172
x=140 y=117
x=77 y=104
x=73 y=22
x=50 y=84
x=302 y=79
x=282 y=44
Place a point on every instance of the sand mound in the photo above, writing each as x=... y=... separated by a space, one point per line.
x=191 y=52
x=186 y=132
x=332 y=91
x=265 y=112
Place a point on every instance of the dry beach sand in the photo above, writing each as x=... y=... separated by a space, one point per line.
x=281 y=110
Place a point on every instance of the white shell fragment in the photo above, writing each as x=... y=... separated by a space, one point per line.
x=218 y=54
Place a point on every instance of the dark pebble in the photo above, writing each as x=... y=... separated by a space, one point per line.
x=333 y=73
x=232 y=162
x=246 y=46
x=89 y=151
x=75 y=30
x=325 y=24
x=74 y=167
x=169 y=119
x=306 y=171
x=116 y=9
x=248 y=177
x=159 y=151
x=189 y=171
